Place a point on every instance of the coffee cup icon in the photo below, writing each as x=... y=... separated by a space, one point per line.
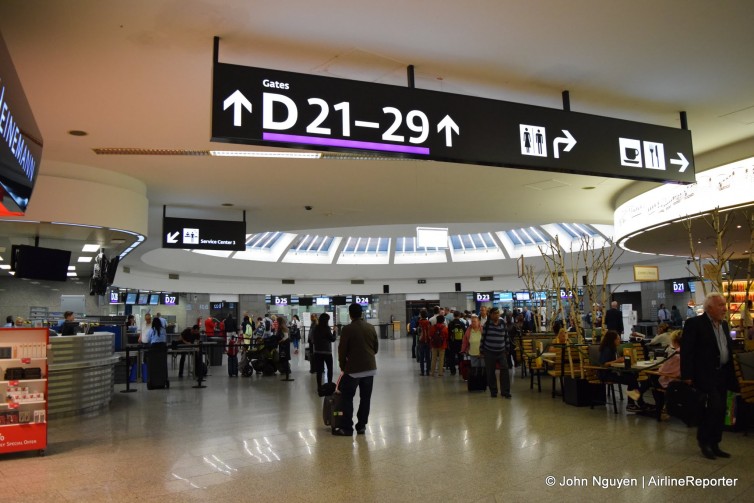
x=630 y=153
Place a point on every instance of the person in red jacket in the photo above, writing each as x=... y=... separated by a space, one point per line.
x=209 y=326
x=438 y=342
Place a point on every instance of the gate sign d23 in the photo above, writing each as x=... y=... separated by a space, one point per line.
x=198 y=234
x=269 y=107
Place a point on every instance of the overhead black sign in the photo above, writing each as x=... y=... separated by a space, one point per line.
x=483 y=296
x=281 y=300
x=197 y=234
x=275 y=108
x=20 y=141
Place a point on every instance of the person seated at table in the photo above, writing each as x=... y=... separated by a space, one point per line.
x=662 y=339
x=670 y=370
x=608 y=356
x=560 y=338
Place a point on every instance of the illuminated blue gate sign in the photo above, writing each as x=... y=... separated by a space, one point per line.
x=269 y=107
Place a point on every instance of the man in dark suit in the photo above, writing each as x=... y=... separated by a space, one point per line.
x=614 y=318
x=707 y=365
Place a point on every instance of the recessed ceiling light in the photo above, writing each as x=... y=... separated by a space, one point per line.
x=12 y=273
x=5 y=267
x=71 y=267
x=85 y=259
x=72 y=274
x=77 y=132
x=90 y=248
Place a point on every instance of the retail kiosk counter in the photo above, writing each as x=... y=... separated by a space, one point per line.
x=81 y=373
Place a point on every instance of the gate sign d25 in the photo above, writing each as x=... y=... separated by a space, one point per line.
x=269 y=107
x=198 y=234
x=282 y=300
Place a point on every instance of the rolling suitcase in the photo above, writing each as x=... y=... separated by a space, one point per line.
x=463 y=367
x=157 y=367
x=477 y=379
x=332 y=411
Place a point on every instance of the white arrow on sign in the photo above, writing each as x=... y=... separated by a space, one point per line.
x=569 y=140
x=173 y=238
x=682 y=162
x=237 y=100
x=450 y=127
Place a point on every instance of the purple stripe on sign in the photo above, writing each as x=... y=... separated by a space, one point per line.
x=332 y=142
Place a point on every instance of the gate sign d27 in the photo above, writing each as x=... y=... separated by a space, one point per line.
x=269 y=107
x=197 y=234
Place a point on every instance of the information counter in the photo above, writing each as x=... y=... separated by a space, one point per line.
x=81 y=373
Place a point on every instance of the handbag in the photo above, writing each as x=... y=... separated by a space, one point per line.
x=685 y=402
x=307 y=354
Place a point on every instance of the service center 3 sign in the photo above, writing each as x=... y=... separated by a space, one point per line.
x=198 y=234
x=275 y=108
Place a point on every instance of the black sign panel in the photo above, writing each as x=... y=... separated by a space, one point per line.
x=197 y=234
x=281 y=300
x=20 y=140
x=275 y=108
x=483 y=296
x=169 y=299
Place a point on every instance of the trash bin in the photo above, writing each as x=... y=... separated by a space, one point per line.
x=215 y=351
x=396 y=329
x=383 y=330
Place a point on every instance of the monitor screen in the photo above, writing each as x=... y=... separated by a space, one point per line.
x=154 y=299
x=692 y=287
x=522 y=296
x=305 y=301
x=506 y=296
x=143 y=299
x=323 y=301
x=131 y=298
x=34 y=262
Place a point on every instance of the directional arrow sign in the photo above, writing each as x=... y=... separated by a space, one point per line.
x=569 y=141
x=450 y=127
x=237 y=100
x=682 y=162
x=323 y=113
x=198 y=234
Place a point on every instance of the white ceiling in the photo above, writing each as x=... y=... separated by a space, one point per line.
x=138 y=74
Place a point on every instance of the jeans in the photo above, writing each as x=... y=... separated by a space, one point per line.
x=347 y=389
x=424 y=357
x=490 y=361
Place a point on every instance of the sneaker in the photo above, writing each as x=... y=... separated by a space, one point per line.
x=633 y=394
x=632 y=408
x=340 y=432
x=360 y=430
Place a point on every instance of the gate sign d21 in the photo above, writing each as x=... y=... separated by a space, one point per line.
x=198 y=234
x=269 y=107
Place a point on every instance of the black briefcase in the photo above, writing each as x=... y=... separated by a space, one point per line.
x=577 y=392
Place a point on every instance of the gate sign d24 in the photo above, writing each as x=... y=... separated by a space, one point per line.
x=269 y=107
x=198 y=234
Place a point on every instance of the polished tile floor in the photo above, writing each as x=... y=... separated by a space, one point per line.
x=262 y=440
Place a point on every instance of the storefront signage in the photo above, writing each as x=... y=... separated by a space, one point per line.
x=269 y=107
x=646 y=273
x=20 y=141
x=197 y=234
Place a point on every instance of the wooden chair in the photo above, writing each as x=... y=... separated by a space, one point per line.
x=591 y=373
x=744 y=366
x=565 y=362
x=536 y=367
